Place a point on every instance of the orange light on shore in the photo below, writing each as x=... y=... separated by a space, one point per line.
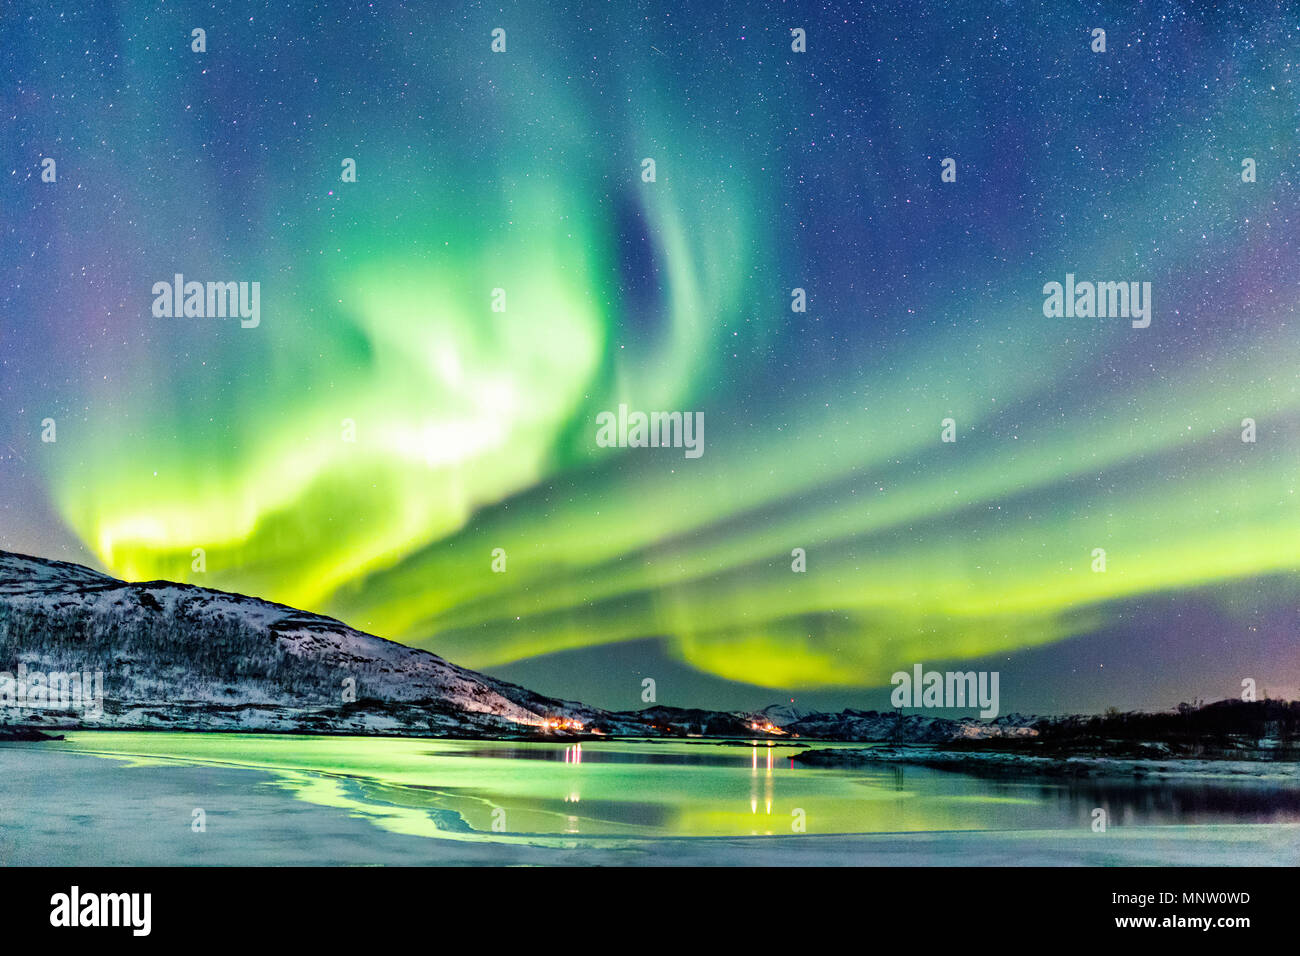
x=561 y=723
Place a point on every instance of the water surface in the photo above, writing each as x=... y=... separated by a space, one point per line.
x=609 y=790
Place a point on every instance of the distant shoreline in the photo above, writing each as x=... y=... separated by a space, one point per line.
x=28 y=734
x=1009 y=763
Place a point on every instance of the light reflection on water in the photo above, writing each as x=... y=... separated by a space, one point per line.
x=526 y=792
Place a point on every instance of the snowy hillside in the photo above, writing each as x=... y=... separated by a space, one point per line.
x=870 y=725
x=179 y=655
x=185 y=657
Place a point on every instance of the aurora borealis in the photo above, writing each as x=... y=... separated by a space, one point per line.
x=475 y=429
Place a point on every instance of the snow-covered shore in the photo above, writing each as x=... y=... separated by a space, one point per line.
x=1002 y=762
x=104 y=818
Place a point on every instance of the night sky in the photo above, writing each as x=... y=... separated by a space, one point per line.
x=474 y=429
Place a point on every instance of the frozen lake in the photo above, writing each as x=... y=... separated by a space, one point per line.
x=110 y=797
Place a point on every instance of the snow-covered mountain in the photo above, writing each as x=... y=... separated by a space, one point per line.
x=184 y=657
x=871 y=725
x=176 y=655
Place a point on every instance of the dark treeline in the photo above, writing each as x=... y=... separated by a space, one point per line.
x=1224 y=723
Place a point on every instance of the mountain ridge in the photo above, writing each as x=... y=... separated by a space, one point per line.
x=182 y=656
x=56 y=616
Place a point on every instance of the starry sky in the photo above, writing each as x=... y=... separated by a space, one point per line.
x=474 y=429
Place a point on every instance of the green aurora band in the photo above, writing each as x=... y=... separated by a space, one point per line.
x=474 y=429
